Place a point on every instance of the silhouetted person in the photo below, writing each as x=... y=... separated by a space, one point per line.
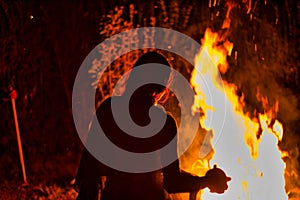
x=140 y=186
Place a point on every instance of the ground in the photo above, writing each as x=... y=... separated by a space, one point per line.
x=36 y=191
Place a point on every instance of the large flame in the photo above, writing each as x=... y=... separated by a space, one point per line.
x=246 y=148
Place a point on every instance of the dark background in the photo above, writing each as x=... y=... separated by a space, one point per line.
x=40 y=57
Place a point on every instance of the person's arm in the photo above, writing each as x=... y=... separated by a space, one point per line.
x=90 y=170
x=88 y=178
x=179 y=181
x=175 y=179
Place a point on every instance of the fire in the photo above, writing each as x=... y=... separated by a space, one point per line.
x=245 y=147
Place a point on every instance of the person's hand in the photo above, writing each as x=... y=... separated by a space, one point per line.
x=217 y=180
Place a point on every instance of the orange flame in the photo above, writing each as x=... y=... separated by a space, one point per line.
x=246 y=147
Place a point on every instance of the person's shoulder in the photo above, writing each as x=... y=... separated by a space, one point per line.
x=105 y=104
x=107 y=101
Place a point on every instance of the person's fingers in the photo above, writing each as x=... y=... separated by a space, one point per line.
x=218 y=191
x=226 y=187
x=221 y=192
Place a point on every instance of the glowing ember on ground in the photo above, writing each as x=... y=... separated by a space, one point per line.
x=245 y=148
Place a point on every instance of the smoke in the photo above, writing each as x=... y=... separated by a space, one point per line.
x=261 y=60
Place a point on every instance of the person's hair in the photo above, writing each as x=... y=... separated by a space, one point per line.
x=152 y=57
x=155 y=57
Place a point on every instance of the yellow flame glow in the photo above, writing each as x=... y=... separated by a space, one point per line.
x=246 y=148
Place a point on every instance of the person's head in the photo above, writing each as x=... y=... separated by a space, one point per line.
x=155 y=91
